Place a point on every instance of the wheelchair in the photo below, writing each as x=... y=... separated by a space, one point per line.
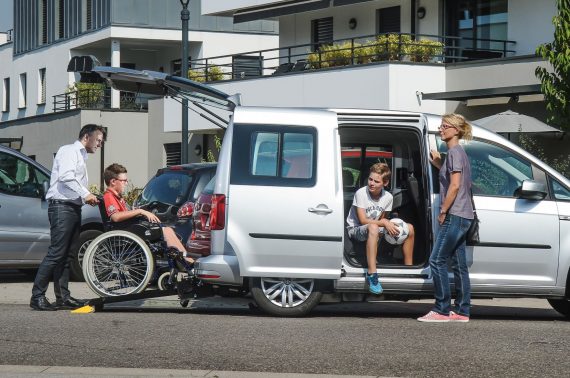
x=127 y=257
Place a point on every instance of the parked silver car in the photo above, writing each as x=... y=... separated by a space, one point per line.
x=24 y=224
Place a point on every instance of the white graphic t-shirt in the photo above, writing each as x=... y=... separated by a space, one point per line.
x=374 y=209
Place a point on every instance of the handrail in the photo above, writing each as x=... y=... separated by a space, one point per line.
x=97 y=99
x=406 y=47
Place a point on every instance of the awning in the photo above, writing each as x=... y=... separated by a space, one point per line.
x=520 y=90
x=512 y=122
x=283 y=8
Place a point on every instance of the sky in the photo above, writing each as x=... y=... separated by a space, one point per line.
x=6 y=13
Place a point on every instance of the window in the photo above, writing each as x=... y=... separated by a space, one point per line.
x=6 y=95
x=321 y=32
x=173 y=153
x=18 y=177
x=42 y=86
x=388 y=20
x=495 y=171
x=43 y=22
x=88 y=15
x=274 y=156
x=22 y=91
x=561 y=193
x=357 y=160
x=60 y=19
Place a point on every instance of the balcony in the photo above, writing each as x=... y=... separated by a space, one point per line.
x=368 y=49
x=97 y=98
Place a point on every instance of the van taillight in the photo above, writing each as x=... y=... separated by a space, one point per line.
x=218 y=212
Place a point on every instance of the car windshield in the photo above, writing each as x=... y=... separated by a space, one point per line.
x=170 y=187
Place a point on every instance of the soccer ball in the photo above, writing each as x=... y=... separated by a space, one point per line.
x=401 y=236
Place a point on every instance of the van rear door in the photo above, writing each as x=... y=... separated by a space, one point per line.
x=284 y=203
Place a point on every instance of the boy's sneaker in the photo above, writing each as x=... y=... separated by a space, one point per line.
x=373 y=284
x=434 y=317
x=454 y=317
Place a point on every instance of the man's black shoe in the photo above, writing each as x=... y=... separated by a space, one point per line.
x=69 y=303
x=41 y=304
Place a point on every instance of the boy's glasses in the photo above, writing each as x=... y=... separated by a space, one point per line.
x=122 y=180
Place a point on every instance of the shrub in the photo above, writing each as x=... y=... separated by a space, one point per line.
x=393 y=46
x=88 y=95
x=424 y=50
x=215 y=73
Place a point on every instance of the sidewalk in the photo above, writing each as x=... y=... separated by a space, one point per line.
x=95 y=372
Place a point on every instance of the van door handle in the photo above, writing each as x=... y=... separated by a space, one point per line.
x=320 y=209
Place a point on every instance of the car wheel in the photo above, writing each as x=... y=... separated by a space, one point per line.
x=561 y=305
x=286 y=296
x=76 y=266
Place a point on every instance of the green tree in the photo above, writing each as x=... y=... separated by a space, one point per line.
x=556 y=85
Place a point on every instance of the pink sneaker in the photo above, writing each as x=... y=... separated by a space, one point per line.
x=434 y=317
x=453 y=317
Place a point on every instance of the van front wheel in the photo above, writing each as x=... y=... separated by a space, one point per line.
x=561 y=305
x=286 y=296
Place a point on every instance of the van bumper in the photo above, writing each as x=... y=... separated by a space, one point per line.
x=219 y=269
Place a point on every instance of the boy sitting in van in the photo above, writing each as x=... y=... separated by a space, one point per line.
x=367 y=221
x=117 y=209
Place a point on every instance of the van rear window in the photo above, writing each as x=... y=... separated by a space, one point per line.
x=274 y=155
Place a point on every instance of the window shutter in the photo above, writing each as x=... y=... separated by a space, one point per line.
x=322 y=32
x=173 y=153
x=389 y=20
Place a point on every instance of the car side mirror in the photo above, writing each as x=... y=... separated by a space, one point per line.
x=45 y=188
x=531 y=190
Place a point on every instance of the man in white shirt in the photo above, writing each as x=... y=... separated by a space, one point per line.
x=66 y=195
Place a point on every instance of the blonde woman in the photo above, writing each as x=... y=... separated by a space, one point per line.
x=455 y=217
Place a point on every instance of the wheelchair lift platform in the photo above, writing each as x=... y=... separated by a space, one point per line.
x=97 y=304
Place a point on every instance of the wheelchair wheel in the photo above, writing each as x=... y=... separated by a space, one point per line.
x=118 y=263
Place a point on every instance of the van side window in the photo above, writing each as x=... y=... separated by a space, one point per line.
x=495 y=171
x=561 y=193
x=274 y=156
x=20 y=178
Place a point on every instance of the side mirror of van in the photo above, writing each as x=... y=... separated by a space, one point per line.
x=531 y=190
x=45 y=187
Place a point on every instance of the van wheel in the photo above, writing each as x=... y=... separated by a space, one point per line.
x=286 y=296
x=561 y=305
x=76 y=266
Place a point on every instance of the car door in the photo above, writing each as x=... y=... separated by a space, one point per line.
x=285 y=198
x=24 y=225
x=519 y=238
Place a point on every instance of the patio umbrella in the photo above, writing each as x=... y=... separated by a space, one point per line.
x=511 y=122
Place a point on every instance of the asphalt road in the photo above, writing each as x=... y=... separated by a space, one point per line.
x=504 y=338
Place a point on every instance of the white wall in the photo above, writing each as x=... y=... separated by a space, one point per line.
x=382 y=86
x=530 y=24
x=210 y=7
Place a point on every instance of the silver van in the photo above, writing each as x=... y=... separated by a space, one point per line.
x=24 y=224
x=286 y=178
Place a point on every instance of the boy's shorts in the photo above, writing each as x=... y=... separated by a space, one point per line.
x=360 y=233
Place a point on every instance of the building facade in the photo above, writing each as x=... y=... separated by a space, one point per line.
x=38 y=92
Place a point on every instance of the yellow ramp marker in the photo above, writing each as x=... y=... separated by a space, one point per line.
x=84 y=310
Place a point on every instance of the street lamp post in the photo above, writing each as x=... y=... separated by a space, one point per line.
x=184 y=16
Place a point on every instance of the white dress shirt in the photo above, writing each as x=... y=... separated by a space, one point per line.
x=68 y=180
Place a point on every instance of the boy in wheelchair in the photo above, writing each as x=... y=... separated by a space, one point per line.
x=117 y=210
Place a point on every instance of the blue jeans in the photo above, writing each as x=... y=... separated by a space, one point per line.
x=450 y=244
x=65 y=222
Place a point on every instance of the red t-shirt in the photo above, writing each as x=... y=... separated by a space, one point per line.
x=114 y=203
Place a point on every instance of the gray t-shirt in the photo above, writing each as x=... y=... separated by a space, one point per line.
x=457 y=161
x=373 y=209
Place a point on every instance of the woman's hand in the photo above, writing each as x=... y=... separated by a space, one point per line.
x=441 y=218
x=435 y=159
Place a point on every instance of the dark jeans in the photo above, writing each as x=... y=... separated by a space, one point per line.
x=65 y=223
x=450 y=244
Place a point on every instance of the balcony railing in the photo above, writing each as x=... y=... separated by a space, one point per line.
x=97 y=99
x=348 y=52
x=9 y=35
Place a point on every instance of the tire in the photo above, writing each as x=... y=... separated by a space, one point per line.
x=162 y=282
x=286 y=296
x=76 y=266
x=118 y=263
x=561 y=305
